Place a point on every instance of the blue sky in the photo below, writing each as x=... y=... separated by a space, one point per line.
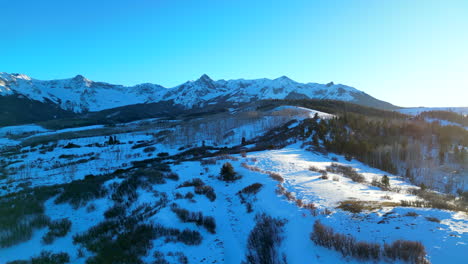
x=410 y=53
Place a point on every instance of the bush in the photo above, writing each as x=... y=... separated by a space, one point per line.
x=172 y=176
x=126 y=241
x=412 y=214
x=409 y=251
x=252 y=189
x=324 y=175
x=195 y=217
x=149 y=149
x=163 y=154
x=189 y=195
x=276 y=176
x=346 y=171
x=433 y=219
x=78 y=193
x=21 y=213
x=126 y=247
x=352 y=206
x=46 y=257
x=71 y=145
x=190 y=237
x=194 y=182
x=206 y=190
x=57 y=228
x=436 y=200
x=247 y=194
x=313 y=168
x=264 y=241
x=116 y=211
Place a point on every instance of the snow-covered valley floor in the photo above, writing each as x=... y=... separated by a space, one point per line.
x=289 y=181
x=445 y=240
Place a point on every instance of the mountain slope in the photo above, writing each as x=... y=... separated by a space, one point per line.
x=79 y=94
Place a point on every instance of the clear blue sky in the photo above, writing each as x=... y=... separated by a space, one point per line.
x=409 y=53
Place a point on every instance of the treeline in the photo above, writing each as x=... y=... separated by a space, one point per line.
x=386 y=140
x=392 y=145
x=332 y=107
x=446 y=115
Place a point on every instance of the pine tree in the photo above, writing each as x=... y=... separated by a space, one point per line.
x=227 y=172
x=385 y=182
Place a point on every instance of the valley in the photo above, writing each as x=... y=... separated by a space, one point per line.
x=152 y=191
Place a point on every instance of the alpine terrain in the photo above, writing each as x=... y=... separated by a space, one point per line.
x=227 y=171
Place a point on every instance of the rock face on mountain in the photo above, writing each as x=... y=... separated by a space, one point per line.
x=79 y=94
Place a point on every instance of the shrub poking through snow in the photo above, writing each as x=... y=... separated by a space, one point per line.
x=252 y=189
x=57 y=228
x=206 y=190
x=383 y=183
x=21 y=213
x=149 y=149
x=195 y=217
x=275 y=176
x=324 y=175
x=433 y=219
x=346 y=171
x=264 y=241
x=247 y=195
x=200 y=188
x=431 y=199
x=194 y=182
x=71 y=145
x=116 y=211
x=78 y=193
x=412 y=214
x=46 y=257
x=409 y=251
x=127 y=240
x=356 y=207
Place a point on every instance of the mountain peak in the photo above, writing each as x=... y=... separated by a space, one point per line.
x=81 y=94
x=284 y=77
x=80 y=78
x=205 y=78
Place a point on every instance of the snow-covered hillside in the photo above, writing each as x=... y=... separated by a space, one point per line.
x=157 y=176
x=418 y=110
x=80 y=94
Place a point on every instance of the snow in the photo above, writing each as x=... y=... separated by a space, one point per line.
x=447 y=240
x=80 y=94
x=18 y=130
x=304 y=112
x=418 y=110
x=293 y=164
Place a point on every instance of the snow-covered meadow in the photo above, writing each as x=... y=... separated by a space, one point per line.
x=71 y=159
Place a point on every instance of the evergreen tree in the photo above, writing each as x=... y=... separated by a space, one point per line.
x=385 y=182
x=227 y=172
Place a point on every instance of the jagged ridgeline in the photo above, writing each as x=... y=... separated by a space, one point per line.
x=282 y=180
x=64 y=98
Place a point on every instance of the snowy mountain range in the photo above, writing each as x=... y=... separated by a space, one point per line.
x=80 y=94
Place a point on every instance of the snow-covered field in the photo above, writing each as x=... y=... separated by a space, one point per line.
x=51 y=163
x=418 y=110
